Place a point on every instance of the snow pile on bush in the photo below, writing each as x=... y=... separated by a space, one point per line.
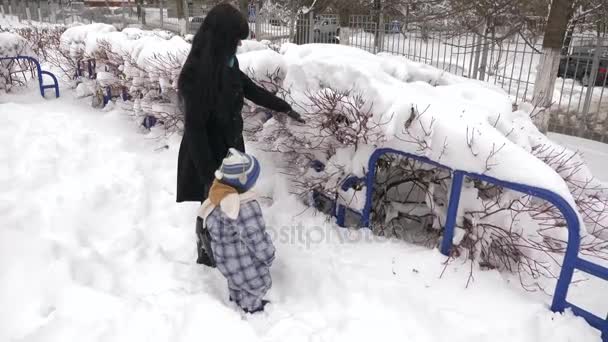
x=12 y=45
x=460 y=123
x=143 y=64
x=75 y=38
x=252 y=45
x=355 y=102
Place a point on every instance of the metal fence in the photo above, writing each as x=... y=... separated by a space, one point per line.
x=507 y=60
x=580 y=97
x=580 y=100
x=123 y=14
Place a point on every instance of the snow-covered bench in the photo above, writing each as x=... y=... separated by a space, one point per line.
x=40 y=72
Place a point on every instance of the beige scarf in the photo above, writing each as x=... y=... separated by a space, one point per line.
x=225 y=197
x=219 y=191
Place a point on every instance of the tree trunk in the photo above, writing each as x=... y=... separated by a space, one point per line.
x=179 y=8
x=546 y=73
x=378 y=20
x=142 y=10
x=182 y=20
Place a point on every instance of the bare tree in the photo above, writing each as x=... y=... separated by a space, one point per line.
x=555 y=32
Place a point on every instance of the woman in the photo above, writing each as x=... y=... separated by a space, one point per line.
x=211 y=90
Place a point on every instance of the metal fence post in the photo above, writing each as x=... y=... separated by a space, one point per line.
x=591 y=79
x=311 y=26
x=258 y=22
x=292 y=23
x=452 y=214
x=187 y=16
x=160 y=4
x=381 y=28
x=477 y=42
x=18 y=11
x=39 y=12
x=28 y=14
x=122 y=9
x=52 y=12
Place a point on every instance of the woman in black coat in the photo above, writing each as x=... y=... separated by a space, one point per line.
x=212 y=88
x=211 y=91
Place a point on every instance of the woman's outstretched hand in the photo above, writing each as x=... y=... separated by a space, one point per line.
x=295 y=116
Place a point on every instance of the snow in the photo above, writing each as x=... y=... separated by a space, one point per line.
x=252 y=45
x=264 y=65
x=12 y=44
x=93 y=248
x=455 y=110
x=89 y=206
x=461 y=111
x=74 y=37
x=593 y=153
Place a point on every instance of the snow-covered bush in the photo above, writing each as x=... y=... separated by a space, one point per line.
x=140 y=65
x=136 y=64
x=14 y=72
x=355 y=102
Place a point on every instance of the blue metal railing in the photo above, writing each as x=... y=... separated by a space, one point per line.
x=571 y=259
x=40 y=73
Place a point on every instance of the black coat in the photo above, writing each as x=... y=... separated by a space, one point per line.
x=210 y=132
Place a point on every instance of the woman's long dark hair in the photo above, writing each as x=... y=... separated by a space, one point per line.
x=214 y=43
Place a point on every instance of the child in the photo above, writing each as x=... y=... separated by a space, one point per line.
x=242 y=249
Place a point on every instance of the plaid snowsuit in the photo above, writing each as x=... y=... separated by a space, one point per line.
x=243 y=252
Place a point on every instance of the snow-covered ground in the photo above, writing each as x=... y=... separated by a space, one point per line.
x=594 y=153
x=94 y=248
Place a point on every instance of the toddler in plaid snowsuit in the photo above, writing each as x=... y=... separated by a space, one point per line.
x=242 y=249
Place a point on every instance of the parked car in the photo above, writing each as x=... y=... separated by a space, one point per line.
x=276 y=22
x=579 y=63
x=196 y=22
x=391 y=27
x=326 y=30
